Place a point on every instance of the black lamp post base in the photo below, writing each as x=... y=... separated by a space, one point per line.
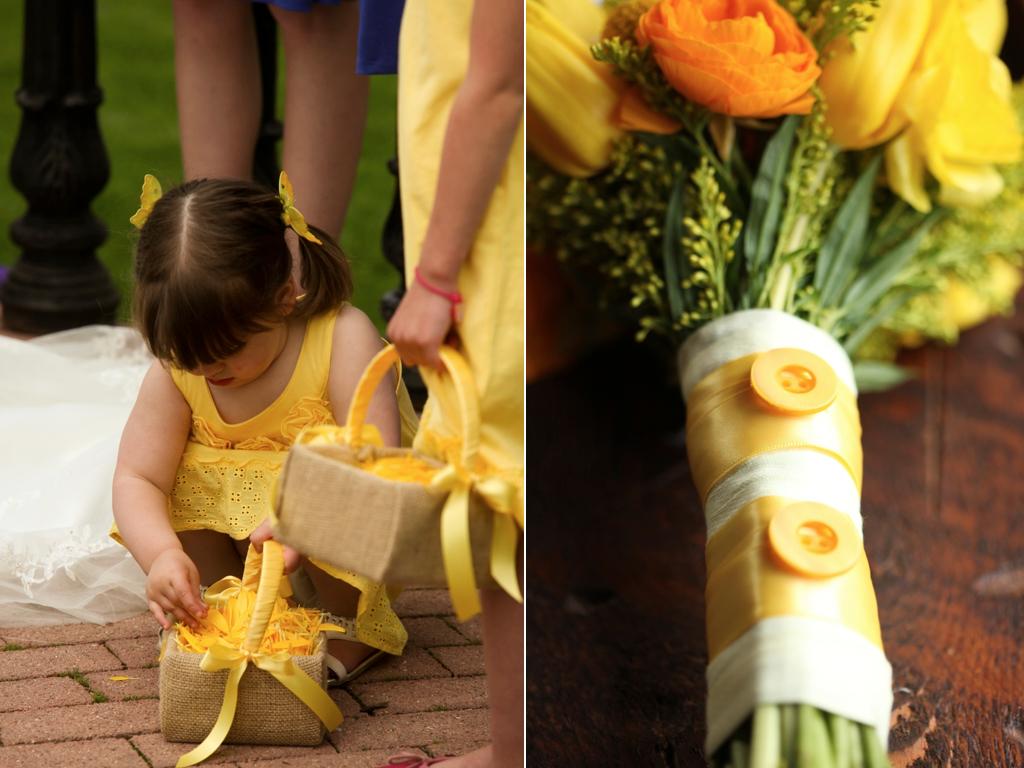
x=43 y=298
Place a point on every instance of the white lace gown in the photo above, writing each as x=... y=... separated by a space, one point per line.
x=64 y=399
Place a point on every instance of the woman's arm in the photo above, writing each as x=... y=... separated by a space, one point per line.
x=147 y=463
x=481 y=128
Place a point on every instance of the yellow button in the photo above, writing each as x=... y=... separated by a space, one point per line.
x=814 y=539
x=793 y=381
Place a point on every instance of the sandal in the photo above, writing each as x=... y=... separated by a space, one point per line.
x=341 y=674
x=406 y=760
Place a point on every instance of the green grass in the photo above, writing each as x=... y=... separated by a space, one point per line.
x=13 y=647
x=138 y=121
x=76 y=675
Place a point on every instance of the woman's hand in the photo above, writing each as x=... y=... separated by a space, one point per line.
x=264 y=532
x=172 y=586
x=420 y=326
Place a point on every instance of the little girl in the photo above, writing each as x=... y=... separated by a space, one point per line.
x=242 y=365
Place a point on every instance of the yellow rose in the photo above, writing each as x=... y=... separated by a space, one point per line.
x=746 y=58
x=920 y=79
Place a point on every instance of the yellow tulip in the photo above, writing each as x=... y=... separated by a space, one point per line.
x=571 y=98
x=924 y=79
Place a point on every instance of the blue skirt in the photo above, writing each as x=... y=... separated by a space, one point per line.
x=298 y=5
x=379 y=21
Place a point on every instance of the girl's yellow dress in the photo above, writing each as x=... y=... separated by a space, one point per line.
x=226 y=476
x=432 y=61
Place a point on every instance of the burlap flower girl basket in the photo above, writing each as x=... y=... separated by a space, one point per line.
x=393 y=514
x=247 y=688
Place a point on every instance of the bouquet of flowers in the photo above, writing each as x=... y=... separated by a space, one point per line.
x=782 y=193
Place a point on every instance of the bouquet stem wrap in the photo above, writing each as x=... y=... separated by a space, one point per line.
x=773 y=435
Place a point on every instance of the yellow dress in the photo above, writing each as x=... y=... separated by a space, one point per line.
x=227 y=471
x=432 y=61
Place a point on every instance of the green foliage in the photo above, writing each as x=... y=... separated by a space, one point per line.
x=707 y=249
x=825 y=20
x=608 y=229
x=636 y=65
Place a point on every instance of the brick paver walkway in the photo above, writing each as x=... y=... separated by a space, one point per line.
x=59 y=707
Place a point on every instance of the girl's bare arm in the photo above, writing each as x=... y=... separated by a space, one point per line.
x=147 y=463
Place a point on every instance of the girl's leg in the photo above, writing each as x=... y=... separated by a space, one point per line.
x=214 y=554
x=342 y=599
x=325 y=109
x=216 y=66
x=502 y=623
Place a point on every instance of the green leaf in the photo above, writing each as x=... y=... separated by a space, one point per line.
x=876 y=281
x=878 y=376
x=670 y=247
x=874 y=318
x=844 y=244
x=762 y=224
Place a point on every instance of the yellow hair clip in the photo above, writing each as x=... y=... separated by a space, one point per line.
x=291 y=216
x=151 y=192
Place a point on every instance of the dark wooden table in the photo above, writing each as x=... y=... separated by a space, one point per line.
x=615 y=559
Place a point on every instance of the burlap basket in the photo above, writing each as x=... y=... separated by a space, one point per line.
x=329 y=508
x=267 y=712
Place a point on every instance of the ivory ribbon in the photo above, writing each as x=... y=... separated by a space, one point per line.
x=280 y=665
x=746 y=583
x=726 y=426
x=501 y=496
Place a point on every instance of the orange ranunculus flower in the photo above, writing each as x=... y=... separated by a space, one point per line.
x=745 y=58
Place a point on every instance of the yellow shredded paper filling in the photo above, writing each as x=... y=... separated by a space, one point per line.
x=291 y=629
x=402 y=468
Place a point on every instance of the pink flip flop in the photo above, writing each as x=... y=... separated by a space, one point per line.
x=413 y=761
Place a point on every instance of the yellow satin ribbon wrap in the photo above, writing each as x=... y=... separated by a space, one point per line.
x=280 y=665
x=748 y=582
x=502 y=497
x=727 y=424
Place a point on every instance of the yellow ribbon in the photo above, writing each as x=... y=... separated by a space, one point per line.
x=280 y=665
x=502 y=497
x=748 y=581
x=726 y=425
x=290 y=215
x=151 y=192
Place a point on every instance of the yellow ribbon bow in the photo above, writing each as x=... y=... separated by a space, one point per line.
x=502 y=497
x=280 y=665
x=151 y=192
x=291 y=216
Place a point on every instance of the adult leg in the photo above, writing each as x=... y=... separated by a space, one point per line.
x=325 y=109
x=217 y=78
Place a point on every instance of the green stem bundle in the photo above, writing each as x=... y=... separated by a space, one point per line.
x=801 y=736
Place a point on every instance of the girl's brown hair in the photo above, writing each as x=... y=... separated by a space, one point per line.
x=211 y=266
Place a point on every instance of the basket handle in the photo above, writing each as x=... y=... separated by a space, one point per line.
x=460 y=378
x=266 y=570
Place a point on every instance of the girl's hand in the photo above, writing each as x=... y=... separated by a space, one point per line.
x=420 y=326
x=172 y=586
x=264 y=532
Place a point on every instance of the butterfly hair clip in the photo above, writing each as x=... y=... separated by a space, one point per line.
x=290 y=215
x=151 y=192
